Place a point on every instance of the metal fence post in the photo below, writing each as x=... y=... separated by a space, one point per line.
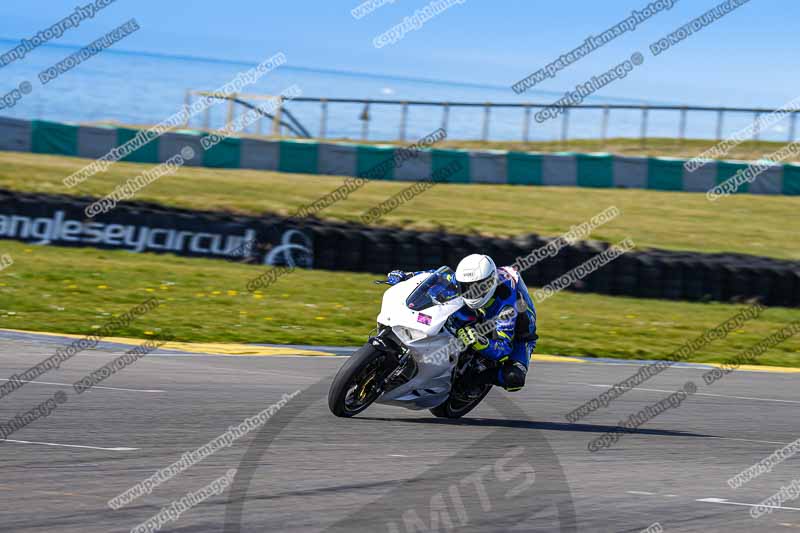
x=604 y=127
x=643 y=131
x=403 y=119
x=207 y=118
x=565 y=126
x=445 y=115
x=364 y=117
x=526 y=125
x=187 y=103
x=792 y=125
x=231 y=110
x=486 y=111
x=276 y=120
x=720 y=114
x=756 y=127
x=323 y=120
x=682 y=127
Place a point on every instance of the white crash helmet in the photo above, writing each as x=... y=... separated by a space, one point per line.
x=476 y=275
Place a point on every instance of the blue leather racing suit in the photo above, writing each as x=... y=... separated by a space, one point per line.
x=512 y=338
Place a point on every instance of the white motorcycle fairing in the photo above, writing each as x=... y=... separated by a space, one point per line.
x=423 y=333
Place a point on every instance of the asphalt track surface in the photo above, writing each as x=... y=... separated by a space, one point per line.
x=514 y=464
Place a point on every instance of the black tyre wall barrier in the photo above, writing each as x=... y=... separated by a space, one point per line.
x=651 y=281
x=431 y=251
x=324 y=248
x=624 y=277
x=407 y=256
x=349 y=252
x=378 y=253
x=795 y=302
x=672 y=281
x=455 y=248
x=692 y=274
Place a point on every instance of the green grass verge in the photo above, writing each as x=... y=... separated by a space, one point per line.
x=70 y=290
x=680 y=221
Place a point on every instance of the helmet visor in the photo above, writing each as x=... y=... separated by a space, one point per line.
x=475 y=290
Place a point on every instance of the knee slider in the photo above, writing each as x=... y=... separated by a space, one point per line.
x=514 y=376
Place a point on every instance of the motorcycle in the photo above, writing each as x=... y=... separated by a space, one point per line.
x=413 y=360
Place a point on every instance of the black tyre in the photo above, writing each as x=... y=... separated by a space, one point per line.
x=456 y=407
x=357 y=384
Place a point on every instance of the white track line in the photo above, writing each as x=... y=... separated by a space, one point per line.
x=118 y=449
x=695 y=394
x=93 y=387
x=643 y=493
x=726 y=502
x=751 y=440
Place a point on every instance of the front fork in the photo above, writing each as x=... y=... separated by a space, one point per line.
x=399 y=357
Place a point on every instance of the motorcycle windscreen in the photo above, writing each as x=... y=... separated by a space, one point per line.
x=440 y=287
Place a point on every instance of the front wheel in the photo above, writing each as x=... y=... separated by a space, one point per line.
x=457 y=406
x=358 y=382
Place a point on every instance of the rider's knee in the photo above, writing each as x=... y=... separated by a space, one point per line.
x=514 y=376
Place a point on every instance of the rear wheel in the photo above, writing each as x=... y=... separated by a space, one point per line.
x=457 y=406
x=358 y=382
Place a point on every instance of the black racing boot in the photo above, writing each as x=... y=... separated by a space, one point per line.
x=472 y=387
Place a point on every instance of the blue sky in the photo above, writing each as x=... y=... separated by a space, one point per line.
x=747 y=58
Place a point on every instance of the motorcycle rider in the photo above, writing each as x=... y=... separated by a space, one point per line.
x=498 y=300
